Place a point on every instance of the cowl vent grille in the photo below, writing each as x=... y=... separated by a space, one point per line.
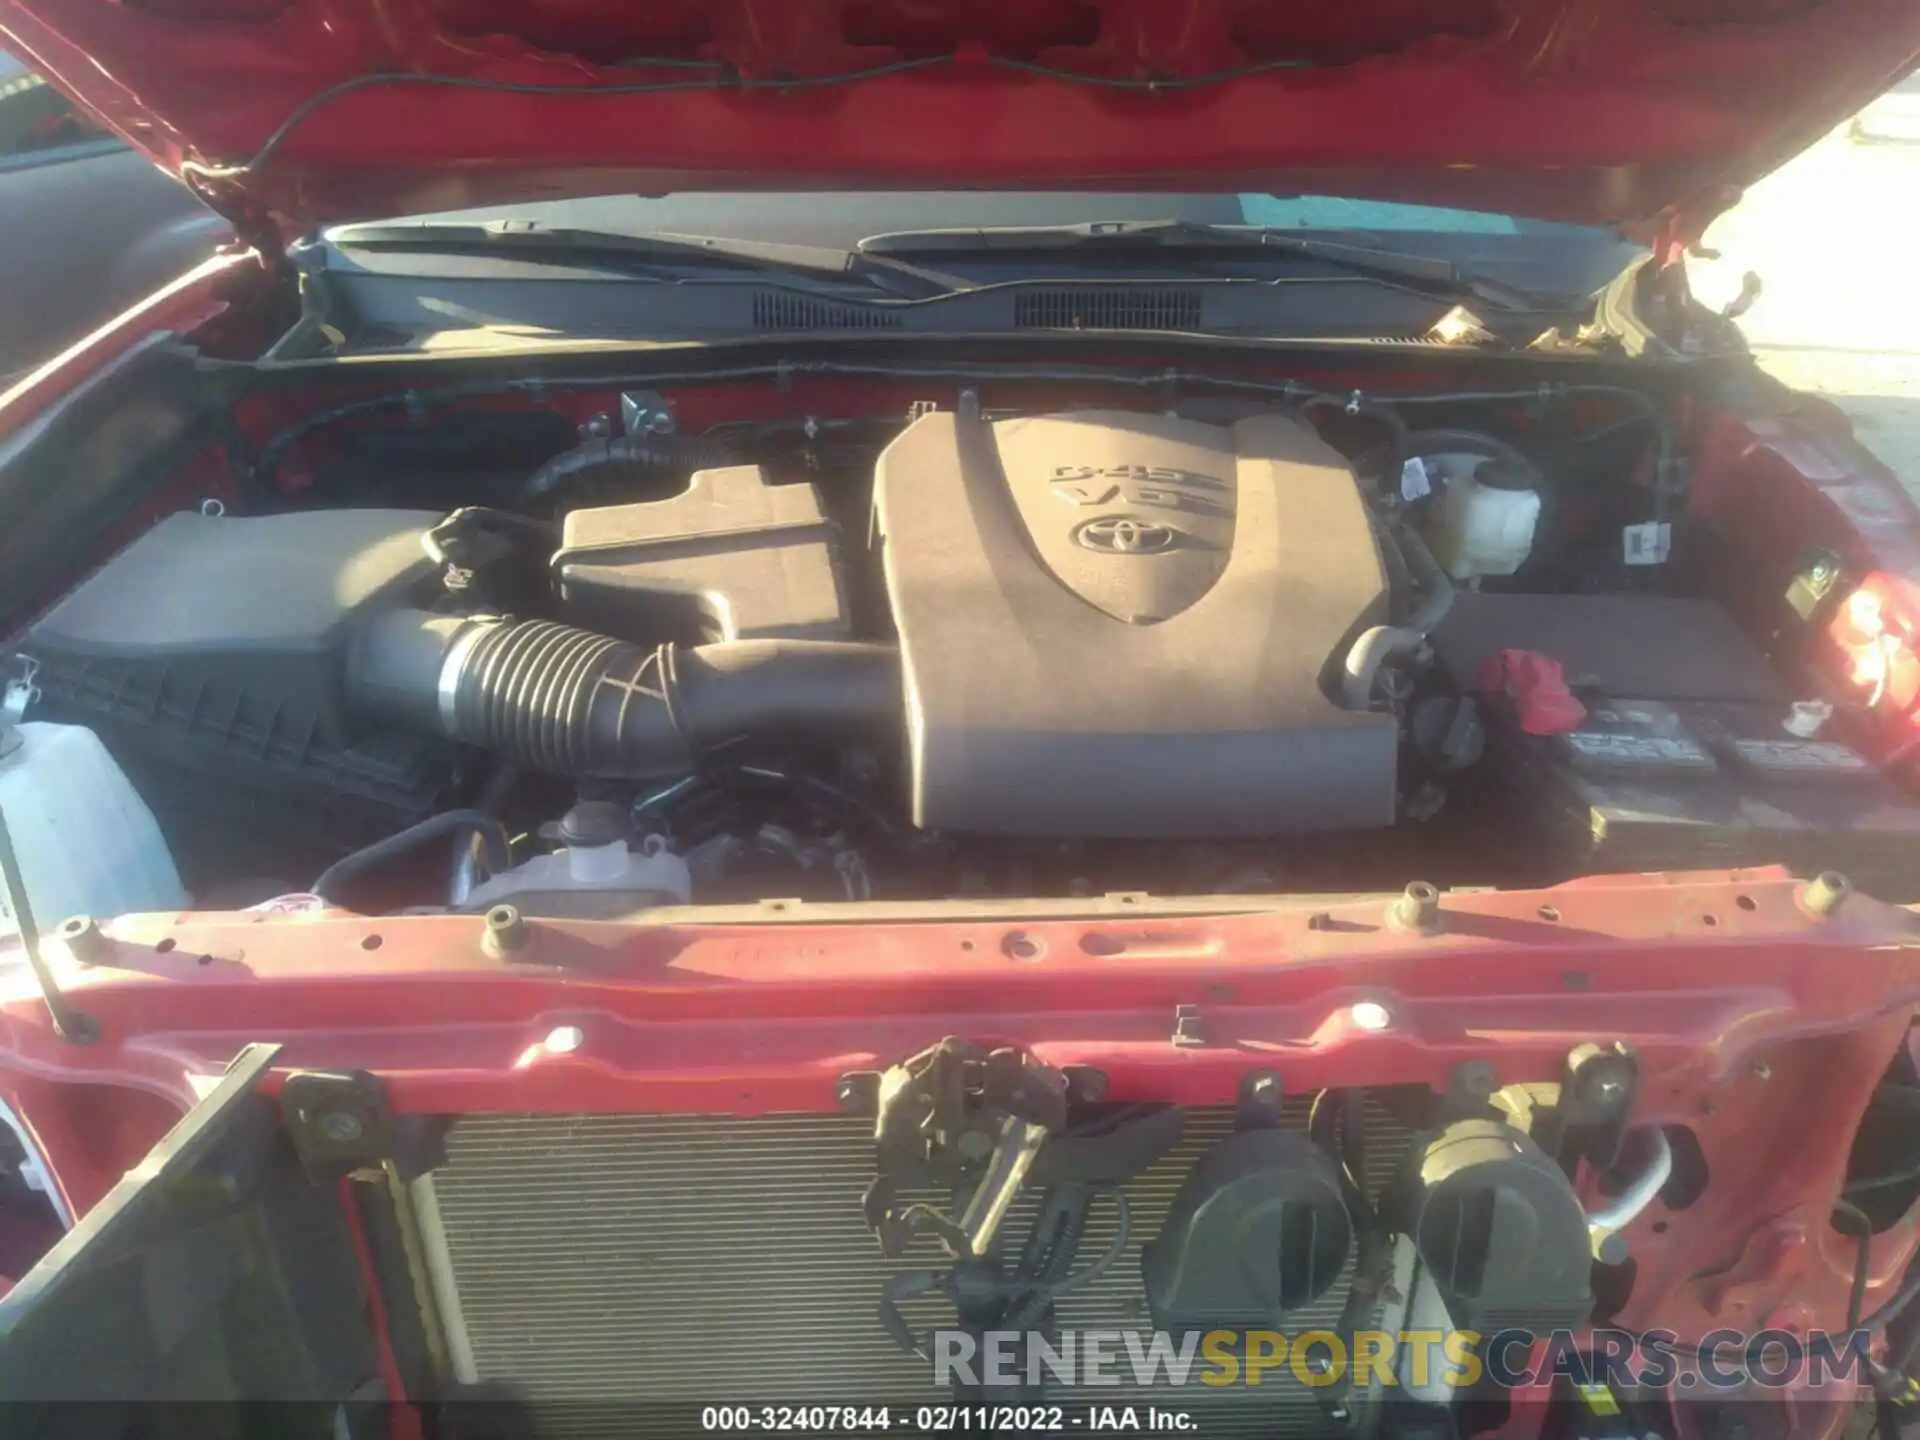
x=797 y=312
x=1107 y=310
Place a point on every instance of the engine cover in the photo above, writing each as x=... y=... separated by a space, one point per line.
x=1117 y=625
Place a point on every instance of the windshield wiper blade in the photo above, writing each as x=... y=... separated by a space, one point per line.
x=1428 y=275
x=643 y=253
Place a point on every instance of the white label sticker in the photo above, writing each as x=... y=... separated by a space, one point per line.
x=1647 y=544
x=1815 y=755
x=1414 y=484
x=1637 y=747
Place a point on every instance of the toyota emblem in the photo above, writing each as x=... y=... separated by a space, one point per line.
x=1124 y=535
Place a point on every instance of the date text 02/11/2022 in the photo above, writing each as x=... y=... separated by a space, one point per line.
x=942 y=1419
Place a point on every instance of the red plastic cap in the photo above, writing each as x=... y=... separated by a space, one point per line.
x=1538 y=688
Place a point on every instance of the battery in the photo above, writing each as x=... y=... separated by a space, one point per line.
x=1645 y=785
x=1683 y=761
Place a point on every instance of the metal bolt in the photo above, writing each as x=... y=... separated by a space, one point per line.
x=1825 y=893
x=645 y=412
x=1370 y=1015
x=1603 y=1075
x=341 y=1127
x=564 y=1039
x=85 y=940
x=1418 y=908
x=506 y=931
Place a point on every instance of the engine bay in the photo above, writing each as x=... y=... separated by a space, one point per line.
x=1224 y=645
x=1127 y=703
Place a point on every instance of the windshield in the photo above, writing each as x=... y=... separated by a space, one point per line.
x=1555 y=258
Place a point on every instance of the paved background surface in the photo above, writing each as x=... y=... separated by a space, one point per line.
x=1831 y=236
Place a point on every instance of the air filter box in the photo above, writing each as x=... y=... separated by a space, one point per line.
x=731 y=557
x=207 y=656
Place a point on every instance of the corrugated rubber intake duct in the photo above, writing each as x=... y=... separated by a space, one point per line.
x=574 y=703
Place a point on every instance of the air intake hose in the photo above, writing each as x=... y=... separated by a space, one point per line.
x=571 y=702
x=679 y=453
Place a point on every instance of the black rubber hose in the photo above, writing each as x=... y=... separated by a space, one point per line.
x=1380 y=413
x=467 y=863
x=434 y=827
x=1376 y=646
x=1436 y=586
x=570 y=702
x=1903 y=1298
x=657 y=452
x=446 y=537
x=1862 y=1263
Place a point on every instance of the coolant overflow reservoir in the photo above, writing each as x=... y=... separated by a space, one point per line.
x=87 y=843
x=1476 y=529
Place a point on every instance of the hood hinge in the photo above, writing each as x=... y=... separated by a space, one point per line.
x=1680 y=229
x=253 y=228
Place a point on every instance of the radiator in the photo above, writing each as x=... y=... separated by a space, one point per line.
x=597 y=1264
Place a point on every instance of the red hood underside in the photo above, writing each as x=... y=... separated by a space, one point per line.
x=1589 y=110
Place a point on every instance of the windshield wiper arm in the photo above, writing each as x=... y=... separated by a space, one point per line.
x=643 y=253
x=1423 y=273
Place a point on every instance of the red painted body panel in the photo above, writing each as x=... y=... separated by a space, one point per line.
x=1777 y=489
x=1580 y=109
x=1757 y=1025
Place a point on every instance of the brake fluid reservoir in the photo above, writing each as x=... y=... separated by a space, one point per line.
x=1475 y=529
x=86 y=841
